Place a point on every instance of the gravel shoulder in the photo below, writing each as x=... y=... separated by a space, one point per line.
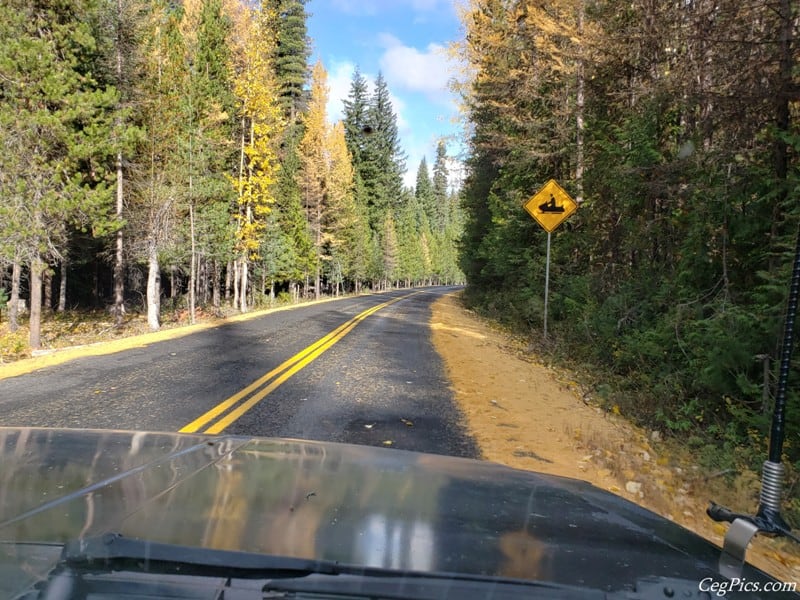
x=532 y=416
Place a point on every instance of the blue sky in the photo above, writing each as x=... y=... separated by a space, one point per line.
x=406 y=41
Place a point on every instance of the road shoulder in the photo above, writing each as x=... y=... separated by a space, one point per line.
x=532 y=416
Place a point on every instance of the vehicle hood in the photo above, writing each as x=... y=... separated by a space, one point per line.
x=357 y=505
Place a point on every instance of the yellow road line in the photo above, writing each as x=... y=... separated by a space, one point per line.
x=281 y=373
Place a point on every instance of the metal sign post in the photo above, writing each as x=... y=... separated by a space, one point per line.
x=550 y=206
x=546 y=283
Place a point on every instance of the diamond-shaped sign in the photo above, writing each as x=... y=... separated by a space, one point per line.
x=551 y=206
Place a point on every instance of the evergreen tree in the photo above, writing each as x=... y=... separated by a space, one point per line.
x=293 y=227
x=209 y=109
x=424 y=191
x=383 y=164
x=441 y=215
x=355 y=119
x=291 y=56
x=159 y=171
x=55 y=126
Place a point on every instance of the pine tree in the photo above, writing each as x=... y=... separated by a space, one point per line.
x=355 y=119
x=209 y=109
x=423 y=191
x=158 y=172
x=291 y=56
x=55 y=127
x=383 y=163
x=292 y=223
x=441 y=215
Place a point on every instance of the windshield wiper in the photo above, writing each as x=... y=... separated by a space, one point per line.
x=116 y=551
x=117 y=566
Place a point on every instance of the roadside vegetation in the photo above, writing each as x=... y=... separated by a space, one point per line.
x=674 y=126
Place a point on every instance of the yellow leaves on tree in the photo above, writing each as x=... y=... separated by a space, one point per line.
x=313 y=152
x=256 y=87
x=326 y=177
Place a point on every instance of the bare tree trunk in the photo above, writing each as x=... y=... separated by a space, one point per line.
x=153 y=288
x=47 y=285
x=193 y=258
x=35 y=336
x=215 y=291
x=62 y=286
x=236 y=271
x=193 y=255
x=243 y=283
x=579 y=111
x=318 y=278
x=263 y=281
x=13 y=311
x=119 y=268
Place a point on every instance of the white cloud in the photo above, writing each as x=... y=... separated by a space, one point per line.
x=408 y=68
x=340 y=76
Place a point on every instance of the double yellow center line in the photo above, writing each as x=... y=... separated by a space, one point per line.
x=228 y=411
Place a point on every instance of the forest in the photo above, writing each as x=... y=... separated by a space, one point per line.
x=673 y=125
x=179 y=153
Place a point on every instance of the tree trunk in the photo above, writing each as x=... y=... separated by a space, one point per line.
x=243 y=284
x=318 y=277
x=153 y=288
x=263 y=282
x=119 y=269
x=215 y=291
x=228 y=275
x=579 y=111
x=193 y=257
x=236 y=272
x=35 y=337
x=47 y=285
x=62 y=286
x=13 y=311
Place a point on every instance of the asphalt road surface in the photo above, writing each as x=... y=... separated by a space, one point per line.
x=358 y=370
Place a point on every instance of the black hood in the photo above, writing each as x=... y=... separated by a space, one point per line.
x=355 y=505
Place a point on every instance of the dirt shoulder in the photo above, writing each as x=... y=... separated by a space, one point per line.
x=528 y=415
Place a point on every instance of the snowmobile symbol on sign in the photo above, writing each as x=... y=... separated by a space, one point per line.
x=550 y=206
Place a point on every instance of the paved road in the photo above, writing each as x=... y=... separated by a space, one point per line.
x=359 y=370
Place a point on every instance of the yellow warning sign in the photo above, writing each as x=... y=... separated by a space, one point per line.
x=551 y=206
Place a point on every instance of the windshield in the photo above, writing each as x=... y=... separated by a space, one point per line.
x=555 y=237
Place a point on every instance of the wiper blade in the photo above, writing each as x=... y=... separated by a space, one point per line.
x=114 y=550
x=110 y=556
x=95 y=560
